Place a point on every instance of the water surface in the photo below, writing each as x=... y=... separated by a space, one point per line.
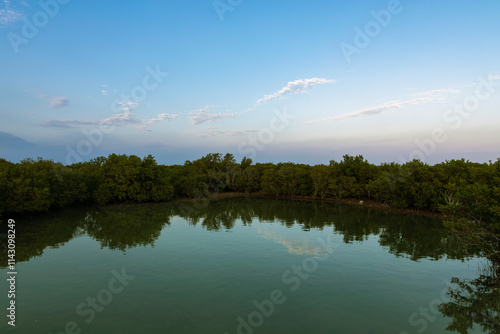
x=243 y=265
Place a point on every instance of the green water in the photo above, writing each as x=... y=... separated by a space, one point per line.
x=203 y=267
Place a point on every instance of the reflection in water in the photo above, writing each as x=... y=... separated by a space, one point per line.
x=126 y=226
x=294 y=247
x=474 y=302
x=35 y=235
x=123 y=227
x=410 y=236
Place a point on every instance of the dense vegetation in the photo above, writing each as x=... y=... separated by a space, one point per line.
x=467 y=193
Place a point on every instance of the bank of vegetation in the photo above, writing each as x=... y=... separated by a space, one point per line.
x=467 y=193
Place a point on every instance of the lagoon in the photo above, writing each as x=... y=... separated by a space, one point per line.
x=238 y=265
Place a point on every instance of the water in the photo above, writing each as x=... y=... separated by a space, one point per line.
x=233 y=266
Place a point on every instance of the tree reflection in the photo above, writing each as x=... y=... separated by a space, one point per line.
x=409 y=236
x=35 y=234
x=116 y=227
x=474 y=303
x=214 y=215
x=417 y=239
x=126 y=226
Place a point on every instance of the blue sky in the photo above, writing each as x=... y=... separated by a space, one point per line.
x=284 y=81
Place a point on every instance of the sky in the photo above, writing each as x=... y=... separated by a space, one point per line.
x=299 y=81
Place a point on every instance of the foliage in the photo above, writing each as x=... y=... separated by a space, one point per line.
x=129 y=179
x=467 y=193
x=474 y=302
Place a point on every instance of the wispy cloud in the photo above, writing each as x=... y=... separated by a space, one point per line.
x=294 y=87
x=104 y=91
x=249 y=109
x=67 y=123
x=127 y=106
x=204 y=115
x=123 y=119
x=8 y=14
x=213 y=131
x=128 y=119
x=54 y=102
x=159 y=118
x=437 y=92
x=58 y=102
x=420 y=98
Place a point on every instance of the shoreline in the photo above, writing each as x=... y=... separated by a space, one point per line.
x=367 y=203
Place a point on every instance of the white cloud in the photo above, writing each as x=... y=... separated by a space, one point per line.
x=128 y=119
x=128 y=106
x=54 y=102
x=8 y=14
x=123 y=119
x=249 y=109
x=58 y=102
x=159 y=118
x=203 y=115
x=436 y=95
x=294 y=87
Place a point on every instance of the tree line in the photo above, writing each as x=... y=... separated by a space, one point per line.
x=466 y=192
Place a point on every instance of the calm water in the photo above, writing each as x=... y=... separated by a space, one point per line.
x=233 y=266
